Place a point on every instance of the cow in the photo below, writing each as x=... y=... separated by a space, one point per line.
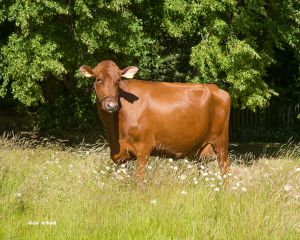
x=142 y=118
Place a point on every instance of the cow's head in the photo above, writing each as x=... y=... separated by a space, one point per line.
x=107 y=77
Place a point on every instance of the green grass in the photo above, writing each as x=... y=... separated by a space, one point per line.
x=90 y=198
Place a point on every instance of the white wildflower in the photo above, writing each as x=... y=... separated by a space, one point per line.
x=182 y=177
x=243 y=189
x=212 y=179
x=298 y=169
x=212 y=185
x=102 y=172
x=186 y=161
x=202 y=167
x=183 y=193
x=123 y=165
x=287 y=187
x=196 y=182
x=70 y=165
x=170 y=160
x=206 y=179
x=219 y=177
x=189 y=166
x=87 y=153
x=107 y=168
x=205 y=174
x=149 y=167
x=234 y=188
x=94 y=171
x=216 y=189
x=18 y=194
x=153 y=202
x=175 y=168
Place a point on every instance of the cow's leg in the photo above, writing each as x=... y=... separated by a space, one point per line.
x=142 y=155
x=122 y=155
x=221 y=150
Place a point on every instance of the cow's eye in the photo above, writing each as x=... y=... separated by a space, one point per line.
x=99 y=80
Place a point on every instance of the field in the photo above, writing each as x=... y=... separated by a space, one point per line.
x=49 y=191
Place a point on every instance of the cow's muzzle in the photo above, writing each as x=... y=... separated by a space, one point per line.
x=110 y=104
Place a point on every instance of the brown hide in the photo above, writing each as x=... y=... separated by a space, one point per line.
x=152 y=117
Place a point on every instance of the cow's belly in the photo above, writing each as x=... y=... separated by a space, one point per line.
x=182 y=137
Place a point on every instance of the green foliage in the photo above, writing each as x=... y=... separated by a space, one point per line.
x=237 y=45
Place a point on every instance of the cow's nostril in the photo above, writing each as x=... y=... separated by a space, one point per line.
x=111 y=106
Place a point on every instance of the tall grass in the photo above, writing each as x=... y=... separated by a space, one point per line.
x=52 y=192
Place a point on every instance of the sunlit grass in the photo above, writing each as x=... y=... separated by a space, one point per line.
x=51 y=192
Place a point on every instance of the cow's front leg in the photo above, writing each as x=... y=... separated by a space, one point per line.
x=122 y=154
x=142 y=155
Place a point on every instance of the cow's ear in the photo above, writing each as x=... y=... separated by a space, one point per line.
x=129 y=72
x=86 y=71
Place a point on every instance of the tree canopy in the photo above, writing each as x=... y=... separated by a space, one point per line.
x=250 y=48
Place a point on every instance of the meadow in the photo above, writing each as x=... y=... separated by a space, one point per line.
x=50 y=191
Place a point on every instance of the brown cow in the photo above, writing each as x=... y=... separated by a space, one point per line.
x=143 y=117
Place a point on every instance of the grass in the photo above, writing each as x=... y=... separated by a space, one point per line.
x=48 y=191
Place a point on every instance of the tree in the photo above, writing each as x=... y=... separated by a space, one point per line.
x=235 y=44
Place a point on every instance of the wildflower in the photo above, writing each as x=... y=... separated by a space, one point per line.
x=229 y=174
x=149 y=167
x=183 y=193
x=170 y=160
x=94 y=171
x=153 y=202
x=102 y=172
x=70 y=165
x=107 y=168
x=212 y=185
x=210 y=172
x=19 y=194
x=202 y=167
x=182 y=177
x=87 y=153
x=216 y=189
x=243 y=189
x=189 y=166
x=123 y=165
x=175 y=168
x=196 y=182
x=298 y=169
x=205 y=174
x=219 y=177
x=186 y=161
x=234 y=188
x=287 y=187
x=206 y=179
x=212 y=179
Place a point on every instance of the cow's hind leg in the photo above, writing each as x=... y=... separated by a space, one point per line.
x=221 y=151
